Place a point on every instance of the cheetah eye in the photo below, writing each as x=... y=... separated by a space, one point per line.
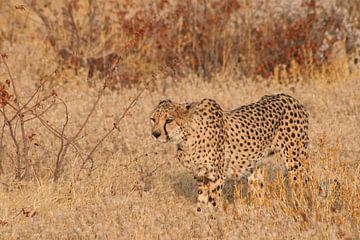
x=169 y=120
x=152 y=120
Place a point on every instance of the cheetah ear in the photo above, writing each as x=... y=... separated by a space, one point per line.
x=166 y=101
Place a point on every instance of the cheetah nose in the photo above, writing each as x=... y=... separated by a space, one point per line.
x=156 y=134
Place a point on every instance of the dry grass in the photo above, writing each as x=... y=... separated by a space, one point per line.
x=136 y=190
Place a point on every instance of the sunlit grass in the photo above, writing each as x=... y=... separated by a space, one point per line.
x=136 y=189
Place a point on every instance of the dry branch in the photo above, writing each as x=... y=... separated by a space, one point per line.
x=25 y=148
x=115 y=125
x=17 y=146
x=22 y=146
x=63 y=147
x=65 y=143
x=2 y=147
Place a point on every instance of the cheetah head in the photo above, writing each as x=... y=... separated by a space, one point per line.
x=168 y=120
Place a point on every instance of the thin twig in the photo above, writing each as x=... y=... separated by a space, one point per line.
x=2 y=147
x=63 y=147
x=100 y=94
x=149 y=174
x=22 y=124
x=115 y=125
x=17 y=146
x=38 y=102
x=35 y=93
x=43 y=112
x=53 y=130
x=56 y=132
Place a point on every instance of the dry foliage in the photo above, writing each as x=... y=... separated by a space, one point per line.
x=202 y=37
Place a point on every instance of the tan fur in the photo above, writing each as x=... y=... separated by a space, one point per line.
x=215 y=144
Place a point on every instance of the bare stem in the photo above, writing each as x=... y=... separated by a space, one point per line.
x=42 y=82
x=63 y=147
x=101 y=91
x=2 y=147
x=115 y=125
x=22 y=124
x=57 y=133
x=17 y=147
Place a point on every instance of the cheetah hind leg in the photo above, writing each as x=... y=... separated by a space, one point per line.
x=295 y=160
x=209 y=193
x=300 y=182
x=256 y=186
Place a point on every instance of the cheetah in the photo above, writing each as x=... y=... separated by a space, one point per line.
x=215 y=144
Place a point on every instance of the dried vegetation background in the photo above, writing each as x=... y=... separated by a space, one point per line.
x=79 y=79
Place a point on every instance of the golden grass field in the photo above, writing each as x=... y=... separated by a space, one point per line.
x=135 y=188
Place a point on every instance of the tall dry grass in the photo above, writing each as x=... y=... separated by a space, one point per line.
x=130 y=187
x=136 y=189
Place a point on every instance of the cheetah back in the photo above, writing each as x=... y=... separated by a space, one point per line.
x=274 y=122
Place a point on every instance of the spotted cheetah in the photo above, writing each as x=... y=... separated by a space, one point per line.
x=215 y=144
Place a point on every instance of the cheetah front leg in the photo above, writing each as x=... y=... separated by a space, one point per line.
x=203 y=193
x=256 y=187
x=209 y=192
x=215 y=189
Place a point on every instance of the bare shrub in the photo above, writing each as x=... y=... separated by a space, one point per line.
x=192 y=35
x=16 y=113
x=208 y=37
x=77 y=34
x=202 y=37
